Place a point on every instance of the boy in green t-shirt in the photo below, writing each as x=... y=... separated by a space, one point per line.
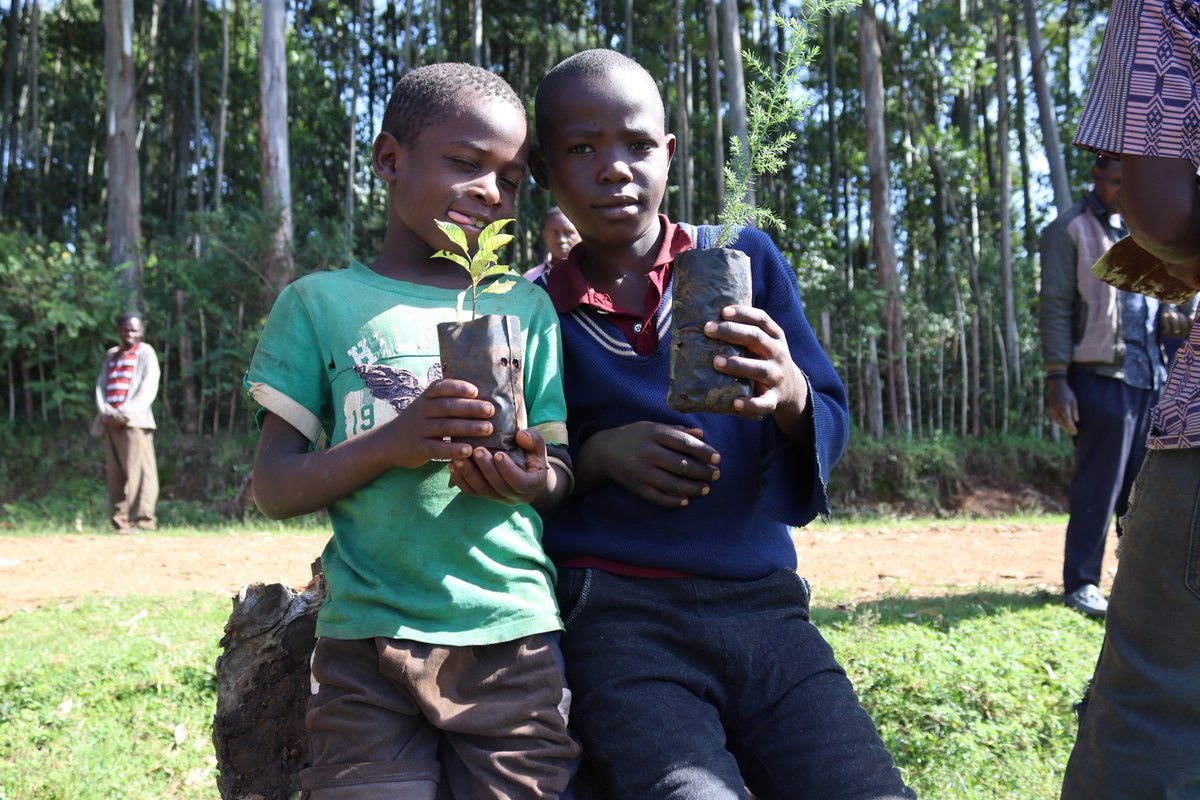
x=437 y=655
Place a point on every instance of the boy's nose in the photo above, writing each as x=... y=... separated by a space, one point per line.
x=487 y=189
x=616 y=170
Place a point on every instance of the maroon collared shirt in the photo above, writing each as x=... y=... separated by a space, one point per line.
x=569 y=288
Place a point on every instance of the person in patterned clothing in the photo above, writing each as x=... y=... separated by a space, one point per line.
x=125 y=389
x=1139 y=728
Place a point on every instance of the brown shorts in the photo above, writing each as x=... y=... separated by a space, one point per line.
x=396 y=718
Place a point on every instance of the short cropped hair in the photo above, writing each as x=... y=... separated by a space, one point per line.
x=427 y=95
x=585 y=64
x=128 y=315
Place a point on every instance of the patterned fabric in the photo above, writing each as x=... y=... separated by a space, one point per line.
x=1145 y=100
x=120 y=376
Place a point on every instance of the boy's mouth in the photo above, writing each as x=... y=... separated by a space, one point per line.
x=467 y=220
x=617 y=206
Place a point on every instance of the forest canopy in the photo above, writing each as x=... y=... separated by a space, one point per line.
x=146 y=159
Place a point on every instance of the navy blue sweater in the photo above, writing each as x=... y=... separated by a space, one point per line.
x=741 y=529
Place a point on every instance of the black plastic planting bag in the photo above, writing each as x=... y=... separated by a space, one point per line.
x=705 y=282
x=489 y=352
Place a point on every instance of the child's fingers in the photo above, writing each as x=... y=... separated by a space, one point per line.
x=466 y=474
x=456 y=428
x=451 y=387
x=456 y=407
x=692 y=468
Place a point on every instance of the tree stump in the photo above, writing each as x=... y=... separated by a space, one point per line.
x=263 y=688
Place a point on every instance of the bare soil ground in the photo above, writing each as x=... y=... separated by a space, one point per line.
x=852 y=563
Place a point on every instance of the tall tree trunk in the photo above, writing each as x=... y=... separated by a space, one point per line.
x=352 y=144
x=222 y=108
x=124 y=182
x=683 y=157
x=1004 y=170
x=831 y=88
x=197 y=150
x=35 y=123
x=883 y=243
x=627 y=46
x=1046 y=117
x=8 y=116
x=735 y=80
x=1029 y=235
x=714 y=106
x=476 y=9
x=187 y=367
x=273 y=146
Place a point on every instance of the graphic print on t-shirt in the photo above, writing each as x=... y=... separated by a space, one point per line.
x=397 y=388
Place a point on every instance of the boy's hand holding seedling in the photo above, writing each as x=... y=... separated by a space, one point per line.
x=497 y=476
x=779 y=386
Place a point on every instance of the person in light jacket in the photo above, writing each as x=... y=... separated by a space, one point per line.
x=125 y=389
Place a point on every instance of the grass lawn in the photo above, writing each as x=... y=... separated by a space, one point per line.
x=113 y=698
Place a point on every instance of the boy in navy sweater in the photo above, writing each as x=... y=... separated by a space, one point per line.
x=694 y=667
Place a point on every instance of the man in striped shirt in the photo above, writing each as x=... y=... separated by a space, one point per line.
x=125 y=389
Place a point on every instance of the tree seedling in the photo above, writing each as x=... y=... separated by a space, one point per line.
x=771 y=109
x=483 y=264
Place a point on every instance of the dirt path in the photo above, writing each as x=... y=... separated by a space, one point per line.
x=849 y=563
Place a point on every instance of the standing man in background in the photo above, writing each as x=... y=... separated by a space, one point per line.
x=1104 y=367
x=125 y=389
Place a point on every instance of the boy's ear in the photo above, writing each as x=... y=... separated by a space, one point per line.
x=537 y=168
x=670 y=146
x=385 y=156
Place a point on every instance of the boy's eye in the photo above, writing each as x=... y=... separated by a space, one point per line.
x=642 y=146
x=462 y=162
x=510 y=183
x=579 y=149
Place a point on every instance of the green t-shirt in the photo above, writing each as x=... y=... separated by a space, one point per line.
x=411 y=557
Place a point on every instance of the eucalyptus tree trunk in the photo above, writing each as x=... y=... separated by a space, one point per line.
x=1004 y=179
x=628 y=44
x=683 y=154
x=883 y=242
x=831 y=88
x=409 y=46
x=714 y=105
x=735 y=80
x=222 y=108
x=35 y=125
x=273 y=147
x=196 y=117
x=476 y=10
x=1046 y=117
x=1029 y=236
x=352 y=134
x=124 y=182
x=8 y=117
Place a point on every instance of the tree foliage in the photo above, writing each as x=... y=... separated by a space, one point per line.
x=206 y=238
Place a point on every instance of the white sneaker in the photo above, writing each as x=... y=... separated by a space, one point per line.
x=1089 y=600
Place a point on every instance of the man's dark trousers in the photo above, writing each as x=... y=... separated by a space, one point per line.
x=1114 y=419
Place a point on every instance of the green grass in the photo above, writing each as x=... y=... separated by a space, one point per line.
x=113 y=698
x=110 y=698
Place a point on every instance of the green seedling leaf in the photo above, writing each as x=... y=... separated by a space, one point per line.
x=455 y=234
x=499 y=287
x=483 y=263
x=455 y=257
